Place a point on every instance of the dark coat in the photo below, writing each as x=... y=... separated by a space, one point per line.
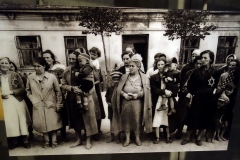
x=122 y=70
x=155 y=82
x=89 y=117
x=16 y=85
x=201 y=85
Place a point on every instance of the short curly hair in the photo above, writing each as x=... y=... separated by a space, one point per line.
x=95 y=50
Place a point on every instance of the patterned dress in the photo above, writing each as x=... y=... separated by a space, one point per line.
x=132 y=110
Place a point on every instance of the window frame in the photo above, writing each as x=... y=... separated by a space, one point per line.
x=233 y=47
x=20 y=49
x=75 y=44
x=188 y=48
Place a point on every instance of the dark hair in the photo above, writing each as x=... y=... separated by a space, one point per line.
x=196 y=59
x=161 y=59
x=42 y=62
x=235 y=60
x=51 y=54
x=95 y=50
x=126 y=53
x=211 y=55
x=76 y=53
x=14 y=65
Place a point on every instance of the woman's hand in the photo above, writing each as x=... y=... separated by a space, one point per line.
x=168 y=93
x=126 y=96
x=76 y=90
x=134 y=96
x=169 y=79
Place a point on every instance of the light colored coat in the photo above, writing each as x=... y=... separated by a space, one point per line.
x=46 y=98
x=147 y=109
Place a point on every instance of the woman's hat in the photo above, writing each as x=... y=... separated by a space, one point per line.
x=174 y=60
x=116 y=74
x=84 y=55
x=137 y=57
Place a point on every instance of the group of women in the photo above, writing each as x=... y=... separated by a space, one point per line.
x=52 y=91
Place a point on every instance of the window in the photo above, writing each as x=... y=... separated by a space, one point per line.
x=226 y=46
x=29 y=47
x=72 y=43
x=190 y=44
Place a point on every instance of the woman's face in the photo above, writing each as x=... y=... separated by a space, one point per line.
x=82 y=61
x=4 y=64
x=133 y=67
x=126 y=59
x=72 y=58
x=198 y=64
x=48 y=58
x=160 y=65
x=12 y=68
x=232 y=65
x=93 y=55
x=205 y=59
x=39 y=69
x=229 y=59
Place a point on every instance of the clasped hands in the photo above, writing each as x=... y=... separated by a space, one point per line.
x=129 y=96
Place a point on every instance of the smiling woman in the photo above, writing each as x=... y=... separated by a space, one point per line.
x=14 y=106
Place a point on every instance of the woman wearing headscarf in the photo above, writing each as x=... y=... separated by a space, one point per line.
x=134 y=101
x=79 y=120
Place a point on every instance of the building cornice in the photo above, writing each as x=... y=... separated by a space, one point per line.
x=26 y=8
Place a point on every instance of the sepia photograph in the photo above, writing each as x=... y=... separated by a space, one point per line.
x=102 y=80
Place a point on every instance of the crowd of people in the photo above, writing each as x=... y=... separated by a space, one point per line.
x=163 y=100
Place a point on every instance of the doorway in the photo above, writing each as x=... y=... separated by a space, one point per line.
x=139 y=43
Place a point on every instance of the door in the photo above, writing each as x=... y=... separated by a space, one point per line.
x=140 y=44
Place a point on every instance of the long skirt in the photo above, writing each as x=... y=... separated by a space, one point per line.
x=131 y=115
x=160 y=117
x=16 y=117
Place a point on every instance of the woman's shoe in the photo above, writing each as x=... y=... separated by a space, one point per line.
x=54 y=144
x=138 y=142
x=27 y=145
x=126 y=143
x=198 y=142
x=168 y=140
x=185 y=141
x=46 y=145
x=156 y=140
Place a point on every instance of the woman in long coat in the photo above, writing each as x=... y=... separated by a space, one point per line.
x=44 y=92
x=57 y=69
x=78 y=121
x=16 y=114
x=158 y=90
x=134 y=101
x=202 y=86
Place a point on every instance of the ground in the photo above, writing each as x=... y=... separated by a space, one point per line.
x=101 y=147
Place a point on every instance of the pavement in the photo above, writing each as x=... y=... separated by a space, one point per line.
x=101 y=147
